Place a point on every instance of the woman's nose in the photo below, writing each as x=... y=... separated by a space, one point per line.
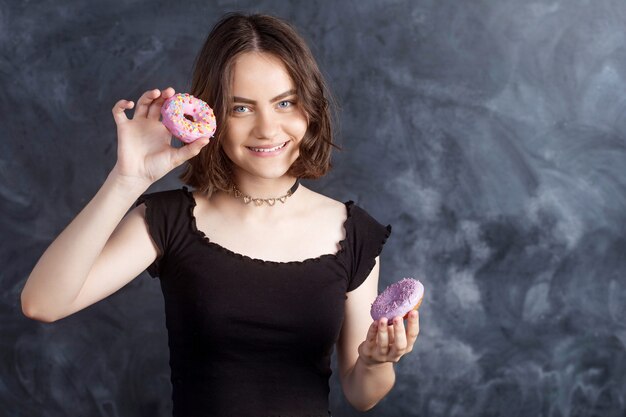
x=267 y=125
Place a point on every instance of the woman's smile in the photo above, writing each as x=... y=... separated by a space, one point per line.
x=268 y=150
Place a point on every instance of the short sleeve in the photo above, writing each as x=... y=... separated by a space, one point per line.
x=365 y=238
x=168 y=217
x=155 y=220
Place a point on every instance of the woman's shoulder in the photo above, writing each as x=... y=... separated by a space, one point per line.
x=332 y=209
x=323 y=204
x=162 y=197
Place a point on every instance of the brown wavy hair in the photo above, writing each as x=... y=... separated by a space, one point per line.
x=234 y=34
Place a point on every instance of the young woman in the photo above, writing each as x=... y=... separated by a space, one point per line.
x=261 y=276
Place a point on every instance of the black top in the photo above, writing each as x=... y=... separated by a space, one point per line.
x=249 y=337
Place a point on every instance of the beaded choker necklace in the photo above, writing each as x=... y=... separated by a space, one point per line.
x=269 y=201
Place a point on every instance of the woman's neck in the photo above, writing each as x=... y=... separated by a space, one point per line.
x=264 y=188
x=260 y=188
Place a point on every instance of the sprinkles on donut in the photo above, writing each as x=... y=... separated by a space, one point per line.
x=188 y=118
x=398 y=299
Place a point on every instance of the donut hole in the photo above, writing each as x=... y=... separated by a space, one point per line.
x=189 y=117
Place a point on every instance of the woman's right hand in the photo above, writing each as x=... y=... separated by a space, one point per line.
x=144 y=152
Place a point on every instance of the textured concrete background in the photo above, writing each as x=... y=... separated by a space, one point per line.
x=490 y=134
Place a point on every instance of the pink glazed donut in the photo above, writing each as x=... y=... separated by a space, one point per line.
x=188 y=118
x=398 y=300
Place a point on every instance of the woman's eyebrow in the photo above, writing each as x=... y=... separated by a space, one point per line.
x=278 y=97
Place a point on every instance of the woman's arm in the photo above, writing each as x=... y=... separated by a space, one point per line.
x=62 y=270
x=93 y=257
x=369 y=378
x=364 y=386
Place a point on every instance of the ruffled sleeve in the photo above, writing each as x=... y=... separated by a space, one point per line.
x=165 y=223
x=155 y=220
x=365 y=238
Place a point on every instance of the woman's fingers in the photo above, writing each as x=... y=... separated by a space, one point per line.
x=154 y=110
x=383 y=337
x=414 y=327
x=118 y=111
x=189 y=151
x=143 y=104
x=388 y=342
x=371 y=333
x=399 y=342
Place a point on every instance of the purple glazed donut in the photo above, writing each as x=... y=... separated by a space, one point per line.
x=398 y=299
x=188 y=118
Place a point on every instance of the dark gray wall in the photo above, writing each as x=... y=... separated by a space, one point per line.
x=490 y=134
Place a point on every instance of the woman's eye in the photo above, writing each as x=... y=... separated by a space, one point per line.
x=240 y=109
x=285 y=103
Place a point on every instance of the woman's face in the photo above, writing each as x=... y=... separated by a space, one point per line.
x=265 y=123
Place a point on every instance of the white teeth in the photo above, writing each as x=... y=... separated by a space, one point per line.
x=268 y=150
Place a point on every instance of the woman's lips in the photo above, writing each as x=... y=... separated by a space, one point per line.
x=266 y=151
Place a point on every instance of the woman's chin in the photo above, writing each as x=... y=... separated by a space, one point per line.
x=271 y=173
x=265 y=171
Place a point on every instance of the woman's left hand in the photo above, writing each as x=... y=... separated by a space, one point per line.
x=388 y=343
